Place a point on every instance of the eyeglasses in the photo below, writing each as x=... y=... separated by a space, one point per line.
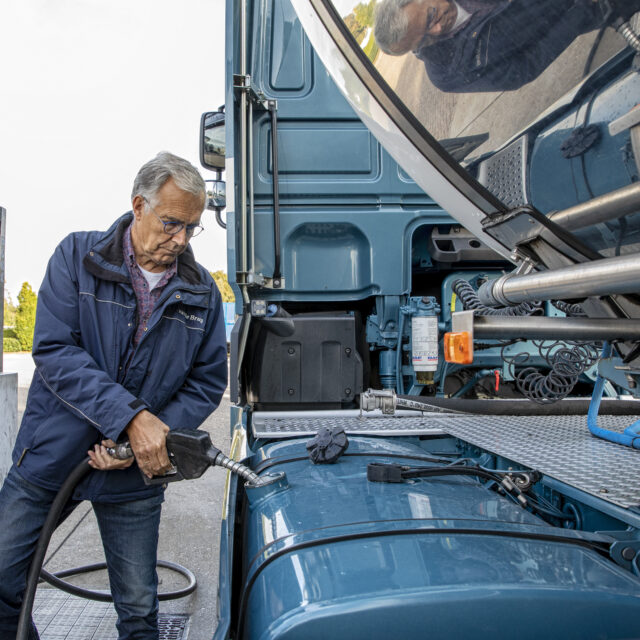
x=428 y=38
x=171 y=228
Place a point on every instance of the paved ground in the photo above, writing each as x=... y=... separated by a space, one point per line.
x=188 y=534
x=501 y=113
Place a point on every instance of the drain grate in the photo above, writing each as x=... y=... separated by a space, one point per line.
x=60 y=616
x=173 y=626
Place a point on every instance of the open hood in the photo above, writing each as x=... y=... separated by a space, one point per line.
x=500 y=141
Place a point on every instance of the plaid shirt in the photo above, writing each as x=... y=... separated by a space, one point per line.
x=146 y=299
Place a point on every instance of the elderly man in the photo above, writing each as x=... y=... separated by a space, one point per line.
x=129 y=342
x=489 y=45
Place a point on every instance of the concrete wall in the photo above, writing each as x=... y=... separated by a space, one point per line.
x=8 y=419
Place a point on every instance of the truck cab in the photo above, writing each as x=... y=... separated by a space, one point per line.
x=434 y=253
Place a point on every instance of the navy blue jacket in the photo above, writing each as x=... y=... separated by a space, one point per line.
x=506 y=43
x=82 y=390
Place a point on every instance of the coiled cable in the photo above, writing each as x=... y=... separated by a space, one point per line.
x=567 y=362
x=570 y=310
x=470 y=301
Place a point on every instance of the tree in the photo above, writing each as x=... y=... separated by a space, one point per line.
x=9 y=312
x=26 y=316
x=223 y=285
x=364 y=13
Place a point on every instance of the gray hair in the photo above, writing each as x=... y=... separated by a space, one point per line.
x=154 y=174
x=391 y=24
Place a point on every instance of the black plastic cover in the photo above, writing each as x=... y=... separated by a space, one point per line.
x=316 y=362
x=327 y=445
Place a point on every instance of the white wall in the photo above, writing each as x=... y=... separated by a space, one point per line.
x=8 y=419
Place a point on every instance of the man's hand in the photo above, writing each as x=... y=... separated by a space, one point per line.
x=100 y=459
x=147 y=437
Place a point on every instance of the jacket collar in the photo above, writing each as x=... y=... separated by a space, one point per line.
x=106 y=258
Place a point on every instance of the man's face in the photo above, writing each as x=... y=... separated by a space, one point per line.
x=155 y=250
x=427 y=18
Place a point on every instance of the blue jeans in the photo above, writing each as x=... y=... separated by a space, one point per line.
x=129 y=532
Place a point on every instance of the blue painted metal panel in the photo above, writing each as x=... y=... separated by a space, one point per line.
x=350 y=252
x=338 y=152
x=329 y=141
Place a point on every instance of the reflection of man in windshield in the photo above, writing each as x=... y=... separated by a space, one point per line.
x=488 y=45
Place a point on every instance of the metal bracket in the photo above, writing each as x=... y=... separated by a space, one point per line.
x=624 y=550
x=243 y=84
x=614 y=370
x=255 y=279
x=520 y=227
x=273 y=283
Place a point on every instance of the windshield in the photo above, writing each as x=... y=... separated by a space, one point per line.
x=476 y=73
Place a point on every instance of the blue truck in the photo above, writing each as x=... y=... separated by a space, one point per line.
x=436 y=357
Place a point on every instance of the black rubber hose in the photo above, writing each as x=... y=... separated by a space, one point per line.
x=500 y=407
x=55 y=579
x=57 y=506
x=37 y=561
x=276 y=194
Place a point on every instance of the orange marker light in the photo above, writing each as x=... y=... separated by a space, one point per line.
x=458 y=347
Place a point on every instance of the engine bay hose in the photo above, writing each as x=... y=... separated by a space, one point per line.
x=500 y=407
x=631 y=436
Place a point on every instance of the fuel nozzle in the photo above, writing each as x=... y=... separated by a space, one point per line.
x=191 y=453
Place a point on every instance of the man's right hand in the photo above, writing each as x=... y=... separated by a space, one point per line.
x=147 y=437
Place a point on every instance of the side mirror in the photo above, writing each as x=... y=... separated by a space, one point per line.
x=216 y=194
x=212 y=143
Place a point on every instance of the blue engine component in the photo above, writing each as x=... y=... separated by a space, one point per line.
x=394 y=368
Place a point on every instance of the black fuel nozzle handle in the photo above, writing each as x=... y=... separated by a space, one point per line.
x=191 y=453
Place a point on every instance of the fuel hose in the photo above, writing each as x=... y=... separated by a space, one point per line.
x=35 y=570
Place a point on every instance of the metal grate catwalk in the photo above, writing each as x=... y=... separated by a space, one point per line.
x=561 y=447
x=296 y=425
x=60 y=616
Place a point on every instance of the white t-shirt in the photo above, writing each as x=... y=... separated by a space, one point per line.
x=151 y=277
x=462 y=16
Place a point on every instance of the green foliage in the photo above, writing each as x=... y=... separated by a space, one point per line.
x=223 y=285
x=364 y=13
x=9 y=332
x=26 y=316
x=360 y=24
x=357 y=30
x=11 y=345
x=9 y=312
x=371 y=49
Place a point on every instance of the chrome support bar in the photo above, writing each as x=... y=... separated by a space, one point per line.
x=543 y=328
x=608 y=276
x=610 y=206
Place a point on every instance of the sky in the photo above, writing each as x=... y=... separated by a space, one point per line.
x=89 y=91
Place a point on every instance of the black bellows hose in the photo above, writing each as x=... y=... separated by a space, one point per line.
x=277 y=275
x=510 y=407
x=35 y=570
